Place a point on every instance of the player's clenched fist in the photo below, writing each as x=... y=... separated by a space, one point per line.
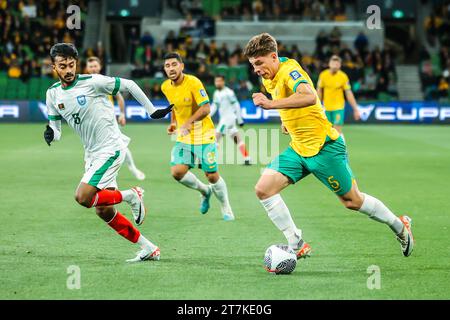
x=161 y=113
x=261 y=100
x=356 y=114
x=185 y=129
x=121 y=120
x=49 y=134
x=171 y=128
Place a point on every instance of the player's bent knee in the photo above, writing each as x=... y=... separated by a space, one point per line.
x=212 y=177
x=262 y=192
x=178 y=174
x=83 y=199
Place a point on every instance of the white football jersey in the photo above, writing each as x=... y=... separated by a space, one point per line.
x=226 y=102
x=87 y=109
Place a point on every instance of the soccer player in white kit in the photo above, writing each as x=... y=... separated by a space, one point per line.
x=229 y=108
x=94 y=66
x=82 y=100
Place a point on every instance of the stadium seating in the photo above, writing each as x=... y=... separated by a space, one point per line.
x=16 y=89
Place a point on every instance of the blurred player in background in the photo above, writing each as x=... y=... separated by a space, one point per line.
x=333 y=85
x=195 y=135
x=229 y=108
x=315 y=147
x=82 y=100
x=94 y=66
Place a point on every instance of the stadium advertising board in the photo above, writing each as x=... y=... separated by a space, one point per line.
x=378 y=112
x=14 y=111
x=404 y=112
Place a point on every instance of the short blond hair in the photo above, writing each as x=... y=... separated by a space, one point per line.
x=260 y=45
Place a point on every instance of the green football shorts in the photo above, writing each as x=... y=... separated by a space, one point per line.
x=336 y=117
x=183 y=153
x=330 y=166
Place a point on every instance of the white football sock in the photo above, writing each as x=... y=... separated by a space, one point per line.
x=129 y=160
x=221 y=192
x=144 y=243
x=127 y=195
x=376 y=210
x=191 y=181
x=279 y=213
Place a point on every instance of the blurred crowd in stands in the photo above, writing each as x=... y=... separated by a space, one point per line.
x=371 y=72
x=28 y=29
x=308 y=10
x=255 y=10
x=434 y=56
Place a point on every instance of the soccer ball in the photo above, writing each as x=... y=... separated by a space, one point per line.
x=280 y=259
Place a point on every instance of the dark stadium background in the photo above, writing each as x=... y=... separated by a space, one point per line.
x=399 y=152
x=406 y=60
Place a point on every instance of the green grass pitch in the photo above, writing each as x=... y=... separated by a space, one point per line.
x=43 y=231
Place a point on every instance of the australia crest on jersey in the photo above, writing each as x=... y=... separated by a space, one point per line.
x=81 y=100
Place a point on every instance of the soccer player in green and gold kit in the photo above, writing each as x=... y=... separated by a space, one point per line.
x=195 y=135
x=316 y=147
x=333 y=87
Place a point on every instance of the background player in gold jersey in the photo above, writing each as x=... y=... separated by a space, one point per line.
x=94 y=66
x=191 y=121
x=315 y=147
x=333 y=84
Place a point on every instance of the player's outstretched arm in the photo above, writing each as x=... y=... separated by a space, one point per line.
x=352 y=101
x=303 y=97
x=140 y=96
x=199 y=115
x=161 y=113
x=121 y=102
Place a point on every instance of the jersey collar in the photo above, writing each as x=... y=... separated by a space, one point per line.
x=176 y=85
x=275 y=79
x=74 y=82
